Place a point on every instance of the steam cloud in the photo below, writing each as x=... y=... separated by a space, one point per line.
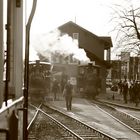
x=55 y=42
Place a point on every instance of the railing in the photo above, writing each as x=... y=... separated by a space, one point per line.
x=14 y=103
x=11 y=109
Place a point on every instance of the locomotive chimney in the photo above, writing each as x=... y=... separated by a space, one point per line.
x=90 y=64
x=37 y=62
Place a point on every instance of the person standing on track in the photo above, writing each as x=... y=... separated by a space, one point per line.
x=67 y=93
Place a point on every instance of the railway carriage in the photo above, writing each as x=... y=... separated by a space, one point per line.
x=39 y=80
x=89 y=82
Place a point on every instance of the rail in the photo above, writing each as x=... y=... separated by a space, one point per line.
x=97 y=132
x=60 y=125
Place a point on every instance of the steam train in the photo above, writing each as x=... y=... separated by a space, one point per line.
x=41 y=75
x=89 y=82
x=39 y=80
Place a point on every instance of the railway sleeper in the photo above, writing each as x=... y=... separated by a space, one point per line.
x=86 y=134
x=31 y=138
x=91 y=138
x=69 y=137
x=137 y=129
x=83 y=131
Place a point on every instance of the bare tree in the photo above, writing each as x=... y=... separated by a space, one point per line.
x=127 y=27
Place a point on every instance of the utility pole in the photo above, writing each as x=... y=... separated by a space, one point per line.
x=7 y=60
x=1 y=52
x=26 y=72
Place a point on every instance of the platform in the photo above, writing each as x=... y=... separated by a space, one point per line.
x=116 y=98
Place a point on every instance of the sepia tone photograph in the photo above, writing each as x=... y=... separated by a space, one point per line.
x=69 y=70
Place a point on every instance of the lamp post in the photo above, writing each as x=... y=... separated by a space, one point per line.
x=119 y=66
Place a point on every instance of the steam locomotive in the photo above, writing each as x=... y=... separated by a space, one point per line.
x=39 y=80
x=89 y=83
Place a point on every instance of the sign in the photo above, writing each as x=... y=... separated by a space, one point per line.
x=125 y=56
x=73 y=81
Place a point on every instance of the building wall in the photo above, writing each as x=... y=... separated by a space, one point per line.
x=87 y=41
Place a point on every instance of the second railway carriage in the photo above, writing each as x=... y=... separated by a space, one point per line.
x=39 y=80
x=89 y=82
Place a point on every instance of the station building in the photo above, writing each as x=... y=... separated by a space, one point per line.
x=97 y=48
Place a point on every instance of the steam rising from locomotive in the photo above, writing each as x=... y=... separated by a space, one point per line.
x=53 y=47
x=62 y=45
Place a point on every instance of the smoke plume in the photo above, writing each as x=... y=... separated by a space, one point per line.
x=56 y=42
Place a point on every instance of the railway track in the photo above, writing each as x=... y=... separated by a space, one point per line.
x=127 y=119
x=49 y=123
x=45 y=127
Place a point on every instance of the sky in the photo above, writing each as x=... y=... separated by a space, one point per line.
x=90 y=14
x=93 y=15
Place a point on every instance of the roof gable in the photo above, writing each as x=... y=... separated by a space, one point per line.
x=104 y=39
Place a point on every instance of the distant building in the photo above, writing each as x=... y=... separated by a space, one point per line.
x=126 y=68
x=134 y=68
x=115 y=73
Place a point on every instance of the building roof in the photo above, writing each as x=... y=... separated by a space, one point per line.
x=106 y=39
x=91 y=54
